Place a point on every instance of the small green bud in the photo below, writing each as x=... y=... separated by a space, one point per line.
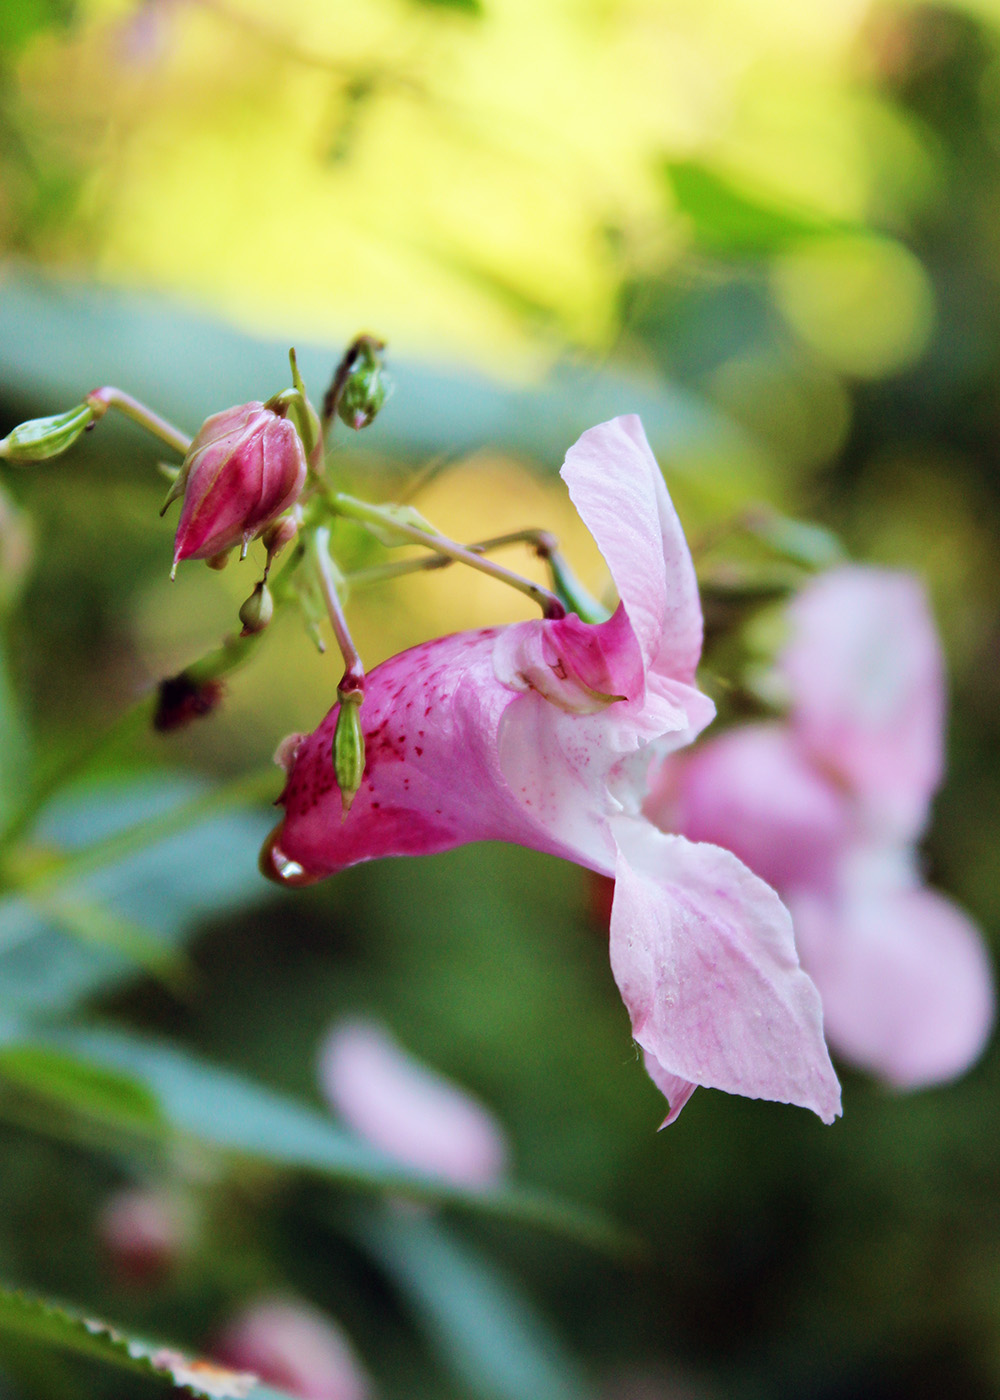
x=366 y=387
x=349 y=746
x=257 y=611
x=41 y=438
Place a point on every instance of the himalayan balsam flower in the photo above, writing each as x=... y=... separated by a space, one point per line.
x=243 y=469
x=406 y=1109
x=541 y=733
x=295 y=1347
x=827 y=808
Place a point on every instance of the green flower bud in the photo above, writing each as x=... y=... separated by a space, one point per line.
x=41 y=438
x=349 y=746
x=257 y=611
x=366 y=386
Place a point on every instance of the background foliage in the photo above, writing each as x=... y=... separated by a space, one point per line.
x=769 y=226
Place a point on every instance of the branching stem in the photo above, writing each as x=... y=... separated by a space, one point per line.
x=450 y=550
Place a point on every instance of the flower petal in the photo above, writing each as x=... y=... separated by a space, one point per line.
x=617 y=487
x=432 y=778
x=906 y=984
x=754 y=792
x=676 y=1091
x=703 y=954
x=864 y=668
x=406 y=1109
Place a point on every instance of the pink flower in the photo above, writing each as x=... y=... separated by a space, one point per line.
x=407 y=1110
x=243 y=469
x=542 y=733
x=827 y=808
x=295 y=1347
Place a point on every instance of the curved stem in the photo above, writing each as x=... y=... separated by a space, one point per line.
x=360 y=510
x=100 y=400
x=327 y=577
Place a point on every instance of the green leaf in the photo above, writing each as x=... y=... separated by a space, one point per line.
x=476 y=1317
x=76 y=1084
x=731 y=221
x=139 y=865
x=27 y=1319
x=802 y=541
x=218 y=1109
x=103 y=928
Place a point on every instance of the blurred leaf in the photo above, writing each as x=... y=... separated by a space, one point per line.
x=21 y=19
x=74 y=1083
x=59 y=335
x=101 y=927
x=14 y=750
x=233 y=1114
x=731 y=221
x=478 y=1320
x=804 y=542
x=26 y=1319
x=468 y=7
x=58 y=945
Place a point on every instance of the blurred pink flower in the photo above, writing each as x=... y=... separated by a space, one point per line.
x=827 y=808
x=144 y=1231
x=406 y=1109
x=293 y=1346
x=542 y=733
x=244 y=468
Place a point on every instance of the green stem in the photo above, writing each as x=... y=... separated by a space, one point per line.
x=70 y=766
x=461 y=554
x=241 y=792
x=100 y=400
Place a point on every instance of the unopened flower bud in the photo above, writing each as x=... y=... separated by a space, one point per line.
x=294 y=1346
x=144 y=1232
x=181 y=699
x=41 y=438
x=367 y=385
x=257 y=611
x=245 y=467
x=349 y=745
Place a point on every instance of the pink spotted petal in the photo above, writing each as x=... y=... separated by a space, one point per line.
x=906 y=984
x=432 y=776
x=618 y=490
x=754 y=791
x=703 y=954
x=864 y=668
x=406 y=1109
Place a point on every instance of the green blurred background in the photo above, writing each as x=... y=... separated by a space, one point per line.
x=773 y=228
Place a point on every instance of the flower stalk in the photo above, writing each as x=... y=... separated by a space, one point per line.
x=100 y=400
x=386 y=520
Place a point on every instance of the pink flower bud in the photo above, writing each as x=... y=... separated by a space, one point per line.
x=243 y=469
x=294 y=1347
x=143 y=1232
